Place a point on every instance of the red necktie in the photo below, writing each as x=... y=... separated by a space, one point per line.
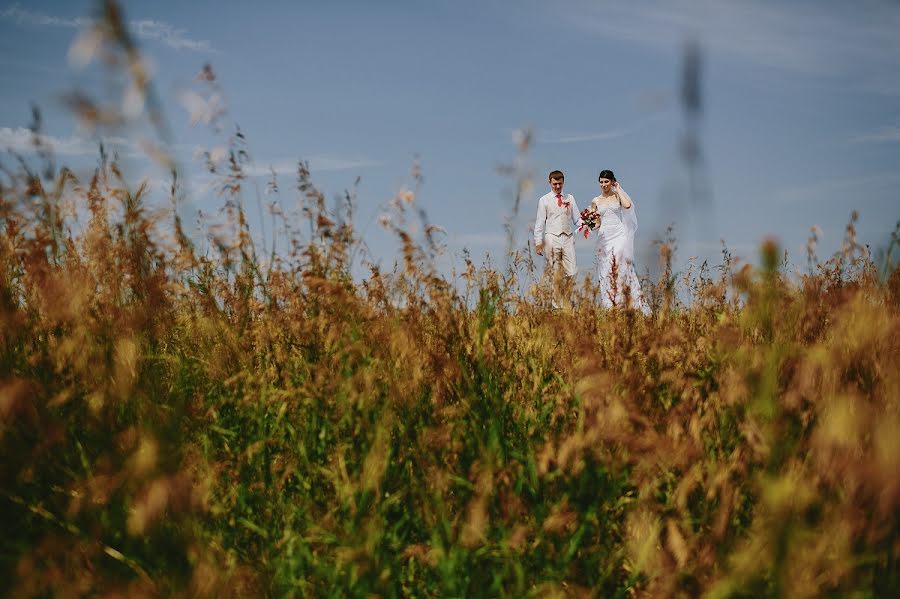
x=559 y=200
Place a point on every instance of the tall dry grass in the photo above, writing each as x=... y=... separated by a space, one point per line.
x=178 y=422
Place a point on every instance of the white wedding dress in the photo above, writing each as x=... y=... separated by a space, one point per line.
x=615 y=245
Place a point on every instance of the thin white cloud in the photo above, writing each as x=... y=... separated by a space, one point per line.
x=706 y=248
x=795 y=36
x=553 y=137
x=21 y=141
x=169 y=35
x=316 y=163
x=25 y=17
x=478 y=239
x=144 y=29
x=883 y=84
x=837 y=188
x=886 y=134
x=328 y=163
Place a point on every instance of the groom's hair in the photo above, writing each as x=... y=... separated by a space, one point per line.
x=556 y=175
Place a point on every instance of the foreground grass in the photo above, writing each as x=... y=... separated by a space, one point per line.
x=209 y=423
x=178 y=424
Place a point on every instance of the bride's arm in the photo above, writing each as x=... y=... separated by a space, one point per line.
x=624 y=198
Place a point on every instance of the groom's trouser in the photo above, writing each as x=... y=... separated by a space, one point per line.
x=559 y=250
x=560 y=253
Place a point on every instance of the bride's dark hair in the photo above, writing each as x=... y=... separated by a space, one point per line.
x=607 y=175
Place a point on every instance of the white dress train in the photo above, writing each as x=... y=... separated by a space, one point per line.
x=615 y=245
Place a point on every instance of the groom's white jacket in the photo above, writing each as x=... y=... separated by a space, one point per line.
x=553 y=219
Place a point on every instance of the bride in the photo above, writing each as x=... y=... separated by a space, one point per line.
x=615 y=245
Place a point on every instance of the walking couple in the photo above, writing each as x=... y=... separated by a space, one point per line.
x=611 y=218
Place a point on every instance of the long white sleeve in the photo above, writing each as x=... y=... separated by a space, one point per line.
x=539 y=223
x=576 y=213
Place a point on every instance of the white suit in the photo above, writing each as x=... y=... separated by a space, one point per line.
x=557 y=220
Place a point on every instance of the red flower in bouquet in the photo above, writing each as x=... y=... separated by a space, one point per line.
x=590 y=220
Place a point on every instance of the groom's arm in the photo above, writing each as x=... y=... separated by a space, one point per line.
x=539 y=228
x=576 y=214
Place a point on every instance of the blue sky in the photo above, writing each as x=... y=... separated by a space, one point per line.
x=801 y=120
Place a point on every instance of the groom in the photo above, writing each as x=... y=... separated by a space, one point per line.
x=558 y=218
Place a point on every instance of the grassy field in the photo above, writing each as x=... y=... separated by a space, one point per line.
x=176 y=423
x=212 y=423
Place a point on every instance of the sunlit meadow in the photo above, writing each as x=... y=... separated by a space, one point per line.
x=241 y=421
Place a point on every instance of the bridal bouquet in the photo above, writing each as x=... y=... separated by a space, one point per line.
x=590 y=220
